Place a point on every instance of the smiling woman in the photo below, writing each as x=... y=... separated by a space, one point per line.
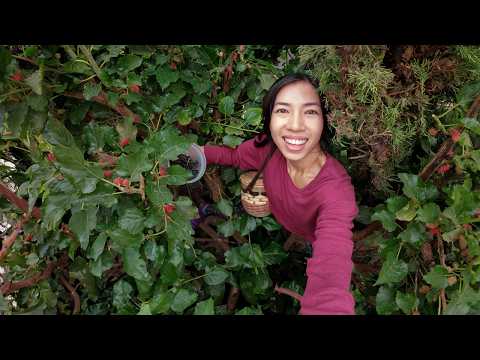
x=310 y=192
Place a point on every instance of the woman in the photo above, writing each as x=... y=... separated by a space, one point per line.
x=310 y=192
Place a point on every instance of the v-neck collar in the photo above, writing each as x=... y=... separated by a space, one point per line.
x=290 y=182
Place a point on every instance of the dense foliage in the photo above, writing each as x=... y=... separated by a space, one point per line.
x=114 y=228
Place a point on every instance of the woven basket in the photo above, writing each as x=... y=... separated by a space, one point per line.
x=256 y=204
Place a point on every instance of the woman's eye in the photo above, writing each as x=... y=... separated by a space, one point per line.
x=282 y=111
x=312 y=112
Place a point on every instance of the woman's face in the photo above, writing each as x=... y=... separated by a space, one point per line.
x=296 y=123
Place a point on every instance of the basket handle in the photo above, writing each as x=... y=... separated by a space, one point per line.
x=259 y=172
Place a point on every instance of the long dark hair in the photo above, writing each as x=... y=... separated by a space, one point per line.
x=269 y=100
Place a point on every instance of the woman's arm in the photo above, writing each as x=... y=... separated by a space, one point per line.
x=330 y=268
x=245 y=156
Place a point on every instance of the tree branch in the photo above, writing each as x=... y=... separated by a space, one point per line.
x=10 y=287
x=91 y=60
x=20 y=203
x=9 y=240
x=73 y=294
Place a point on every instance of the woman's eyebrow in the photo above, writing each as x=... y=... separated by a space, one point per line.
x=305 y=104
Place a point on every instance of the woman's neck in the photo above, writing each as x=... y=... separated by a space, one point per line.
x=310 y=164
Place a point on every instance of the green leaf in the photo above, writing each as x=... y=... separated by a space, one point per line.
x=270 y=224
x=161 y=302
x=250 y=311
x=57 y=134
x=232 y=141
x=165 y=76
x=133 y=165
x=437 y=277
x=253 y=116
x=158 y=194
x=122 y=293
x=245 y=256
x=406 y=302
x=5 y=59
x=274 y=253
x=266 y=81
x=386 y=218
x=429 y=213
x=395 y=203
x=247 y=224
x=183 y=299
x=226 y=228
x=132 y=220
x=75 y=169
x=385 y=301
x=205 y=307
x=415 y=188
x=37 y=103
x=414 y=234
x=472 y=124
x=167 y=144
x=54 y=208
x=216 y=276
x=393 y=271
x=128 y=63
x=122 y=239
x=82 y=223
x=134 y=265
x=35 y=82
x=226 y=105
x=145 y=309
x=91 y=90
x=184 y=117
x=178 y=175
x=98 y=246
x=407 y=213
x=225 y=206
x=16 y=118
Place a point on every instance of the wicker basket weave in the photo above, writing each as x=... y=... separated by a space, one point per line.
x=256 y=204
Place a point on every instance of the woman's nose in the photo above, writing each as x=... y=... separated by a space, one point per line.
x=295 y=122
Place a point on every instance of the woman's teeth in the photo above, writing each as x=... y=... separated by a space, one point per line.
x=295 y=141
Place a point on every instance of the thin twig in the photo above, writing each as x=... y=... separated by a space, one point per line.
x=73 y=294
x=91 y=60
x=288 y=292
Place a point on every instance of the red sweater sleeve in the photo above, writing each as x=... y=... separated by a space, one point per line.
x=245 y=156
x=329 y=270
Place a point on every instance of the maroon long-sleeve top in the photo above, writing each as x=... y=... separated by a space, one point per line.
x=322 y=212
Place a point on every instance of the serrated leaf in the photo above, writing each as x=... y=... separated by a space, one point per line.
x=232 y=141
x=414 y=234
x=132 y=220
x=35 y=82
x=386 y=218
x=250 y=311
x=98 y=246
x=429 y=213
x=216 y=276
x=274 y=253
x=134 y=265
x=253 y=116
x=128 y=63
x=158 y=194
x=177 y=175
x=225 y=206
x=161 y=302
x=226 y=228
x=166 y=76
x=393 y=271
x=385 y=301
x=82 y=223
x=415 y=188
x=122 y=239
x=183 y=299
x=205 y=307
x=37 y=102
x=270 y=224
x=133 y=165
x=437 y=277
x=226 y=105
x=184 y=117
x=91 y=90
x=122 y=293
x=406 y=302
x=407 y=213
